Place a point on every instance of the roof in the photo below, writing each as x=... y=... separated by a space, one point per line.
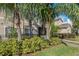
x=64 y=19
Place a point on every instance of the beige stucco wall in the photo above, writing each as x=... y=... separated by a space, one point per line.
x=67 y=30
x=62 y=30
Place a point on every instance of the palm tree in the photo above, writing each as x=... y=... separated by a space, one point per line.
x=17 y=17
x=46 y=15
x=26 y=11
x=30 y=11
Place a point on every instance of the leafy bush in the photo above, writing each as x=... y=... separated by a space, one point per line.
x=14 y=46
x=54 y=28
x=26 y=45
x=2 y=48
x=12 y=33
x=8 y=47
x=44 y=44
x=34 y=44
x=55 y=41
x=31 y=45
x=19 y=47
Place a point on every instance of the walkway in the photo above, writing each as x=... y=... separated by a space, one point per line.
x=71 y=43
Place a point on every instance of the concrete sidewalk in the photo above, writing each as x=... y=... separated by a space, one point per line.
x=71 y=43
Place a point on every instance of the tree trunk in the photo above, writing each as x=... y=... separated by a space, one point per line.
x=18 y=28
x=23 y=27
x=17 y=18
x=19 y=33
x=30 y=24
x=48 y=30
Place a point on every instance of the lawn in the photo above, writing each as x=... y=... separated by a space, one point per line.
x=60 y=50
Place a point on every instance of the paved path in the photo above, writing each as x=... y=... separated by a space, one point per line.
x=71 y=43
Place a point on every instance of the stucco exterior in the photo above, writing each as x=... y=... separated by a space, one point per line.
x=24 y=24
x=64 y=27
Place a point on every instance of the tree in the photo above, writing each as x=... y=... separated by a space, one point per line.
x=71 y=10
x=46 y=15
x=30 y=11
x=27 y=13
x=16 y=15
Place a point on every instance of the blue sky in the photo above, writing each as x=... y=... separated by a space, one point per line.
x=64 y=17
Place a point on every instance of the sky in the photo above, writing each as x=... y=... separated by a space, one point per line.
x=64 y=17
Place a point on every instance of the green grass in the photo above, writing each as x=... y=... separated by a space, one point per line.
x=60 y=50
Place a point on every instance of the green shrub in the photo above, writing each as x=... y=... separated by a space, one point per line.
x=31 y=45
x=34 y=44
x=8 y=47
x=26 y=45
x=2 y=48
x=14 y=46
x=12 y=33
x=55 y=41
x=44 y=44
x=19 y=47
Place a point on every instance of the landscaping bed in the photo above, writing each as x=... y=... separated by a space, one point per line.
x=26 y=46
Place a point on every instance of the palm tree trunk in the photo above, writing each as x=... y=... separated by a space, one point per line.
x=23 y=26
x=48 y=27
x=30 y=20
x=18 y=27
x=19 y=33
x=48 y=30
x=30 y=24
x=17 y=18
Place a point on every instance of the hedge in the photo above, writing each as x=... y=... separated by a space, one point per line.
x=13 y=47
